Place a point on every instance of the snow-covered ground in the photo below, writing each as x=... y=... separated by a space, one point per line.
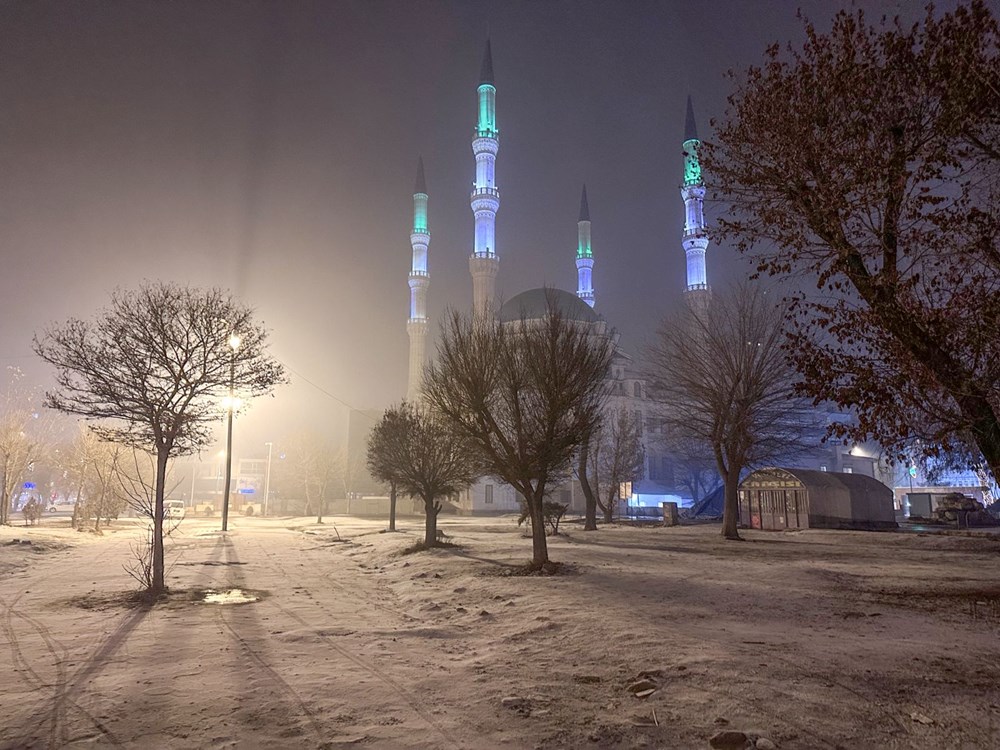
x=811 y=639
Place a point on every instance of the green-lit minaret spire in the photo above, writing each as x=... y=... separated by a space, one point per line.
x=416 y=325
x=692 y=165
x=420 y=199
x=484 y=262
x=584 y=256
x=695 y=239
x=487 y=125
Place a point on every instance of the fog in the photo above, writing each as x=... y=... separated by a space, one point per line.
x=270 y=149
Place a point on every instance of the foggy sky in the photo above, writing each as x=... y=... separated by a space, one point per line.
x=270 y=148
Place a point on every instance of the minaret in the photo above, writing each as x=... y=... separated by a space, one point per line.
x=416 y=326
x=695 y=239
x=584 y=256
x=484 y=263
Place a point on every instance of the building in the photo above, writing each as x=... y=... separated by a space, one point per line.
x=780 y=498
x=629 y=389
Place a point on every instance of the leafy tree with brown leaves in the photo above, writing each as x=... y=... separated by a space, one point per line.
x=526 y=394
x=423 y=456
x=724 y=381
x=150 y=371
x=868 y=162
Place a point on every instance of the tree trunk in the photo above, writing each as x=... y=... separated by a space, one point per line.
x=590 y=499
x=392 y=506
x=319 y=508
x=431 y=510
x=4 y=502
x=100 y=507
x=75 y=520
x=985 y=430
x=609 y=507
x=539 y=543
x=157 y=585
x=731 y=508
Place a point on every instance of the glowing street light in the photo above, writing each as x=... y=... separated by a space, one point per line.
x=230 y=404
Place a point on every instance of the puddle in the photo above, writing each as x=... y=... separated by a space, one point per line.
x=230 y=596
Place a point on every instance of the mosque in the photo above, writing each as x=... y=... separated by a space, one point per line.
x=628 y=390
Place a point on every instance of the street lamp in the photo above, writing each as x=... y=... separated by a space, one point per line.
x=267 y=477
x=234 y=344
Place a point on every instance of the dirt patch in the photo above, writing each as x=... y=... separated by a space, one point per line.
x=422 y=547
x=109 y=601
x=980 y=603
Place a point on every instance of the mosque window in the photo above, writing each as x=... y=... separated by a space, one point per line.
x=637 y=389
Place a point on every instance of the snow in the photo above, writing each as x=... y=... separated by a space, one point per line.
x=812 y=639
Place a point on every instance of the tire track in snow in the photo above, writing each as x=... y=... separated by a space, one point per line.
x=274 y=678
x=375 y=671
x=60 y=702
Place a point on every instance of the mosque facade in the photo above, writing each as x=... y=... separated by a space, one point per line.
x=628 y=389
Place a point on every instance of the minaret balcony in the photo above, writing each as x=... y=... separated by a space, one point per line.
x=487 y=143
x=694 y=233
x=486 y=191
x=691 y=190
x=697 y=287
x=417 y=272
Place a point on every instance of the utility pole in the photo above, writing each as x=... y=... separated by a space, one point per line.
x=234 y=343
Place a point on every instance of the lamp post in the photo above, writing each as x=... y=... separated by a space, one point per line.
x=267 y=477
x=234 y=344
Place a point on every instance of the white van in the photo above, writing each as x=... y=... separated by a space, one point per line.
x=173 y=509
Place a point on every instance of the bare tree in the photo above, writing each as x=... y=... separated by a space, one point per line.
x=694 y=465
x=151 y=371
x=23 y=440
x=424 y=456
x=868 y=161
x=612 y=456
x=725 y=382
x=319 y=467
x=387 y=451
x=526 y=394
x=621 y=457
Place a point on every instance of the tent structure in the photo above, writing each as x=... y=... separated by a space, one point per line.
x=779 y=498
x=710 y=506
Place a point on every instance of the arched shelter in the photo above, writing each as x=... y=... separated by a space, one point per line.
x=805 y=499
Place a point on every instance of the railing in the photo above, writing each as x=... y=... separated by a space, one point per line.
x=697 y=287
x=487 y=254
x=486 y=191
x=419 y=273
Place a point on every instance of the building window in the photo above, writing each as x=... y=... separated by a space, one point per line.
x=848 y=470
x=637 y=389
x=489 y=494
x=638 y=421
x=822 y=468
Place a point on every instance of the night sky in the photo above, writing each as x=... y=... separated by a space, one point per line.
x=270 y=148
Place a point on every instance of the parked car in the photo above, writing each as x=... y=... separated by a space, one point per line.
x=173 y=509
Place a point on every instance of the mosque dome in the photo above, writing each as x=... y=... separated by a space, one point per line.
x=536 y=303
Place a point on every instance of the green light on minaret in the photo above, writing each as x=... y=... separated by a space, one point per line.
x=692 y=166
x=420 y=212
x=583 y=251
x=487 y=110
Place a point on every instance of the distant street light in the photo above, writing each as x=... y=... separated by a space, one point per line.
x=234 y=344
x=267 y=477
